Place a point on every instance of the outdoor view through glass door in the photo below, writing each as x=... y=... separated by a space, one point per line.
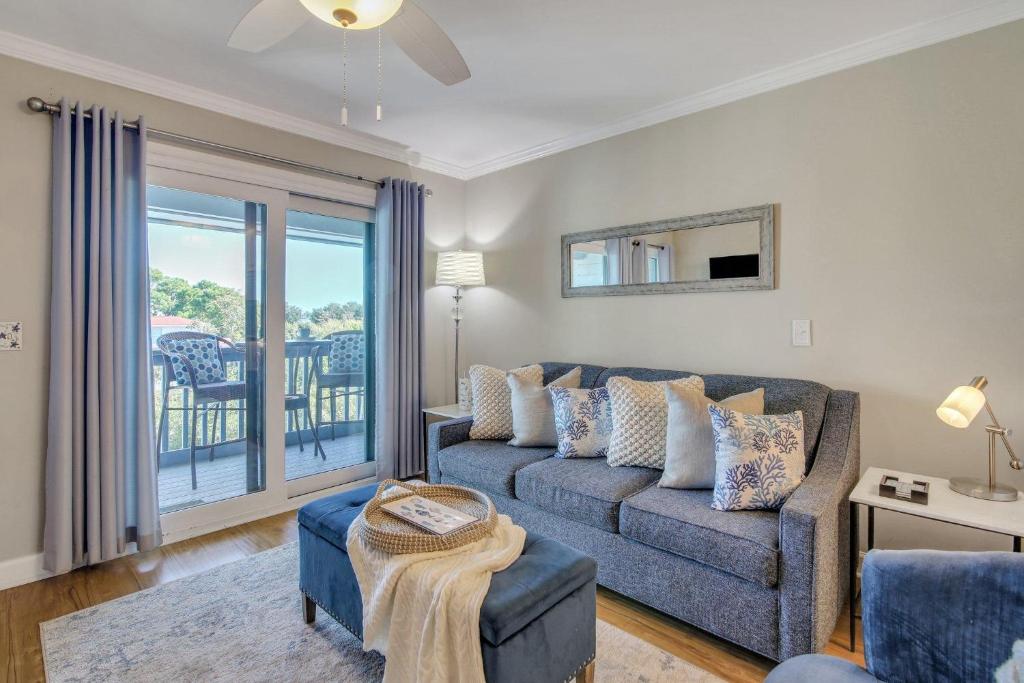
x=206 y=258
x=328 y=353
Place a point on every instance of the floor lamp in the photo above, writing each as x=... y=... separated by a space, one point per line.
x=459 y=269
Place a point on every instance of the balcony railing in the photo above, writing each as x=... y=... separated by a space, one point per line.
x=338 y=415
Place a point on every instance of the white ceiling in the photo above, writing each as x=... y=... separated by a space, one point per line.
x=546 y=75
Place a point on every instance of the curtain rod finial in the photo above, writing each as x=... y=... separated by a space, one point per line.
x=36 y=104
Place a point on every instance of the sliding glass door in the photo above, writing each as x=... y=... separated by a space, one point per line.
x=262 y=351
x=328 y=348
x=206 y=257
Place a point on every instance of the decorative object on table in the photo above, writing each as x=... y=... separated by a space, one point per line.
x=492 y=399
x=533 y=416
x=759 y=459
x=391 y=534
x=915 y=491
x=640 y=420
x=583 y=421
x=428 y=515
x=10 y=336
x=459 y=269
x=959 y=410
x=465 y=395
x=690 y=439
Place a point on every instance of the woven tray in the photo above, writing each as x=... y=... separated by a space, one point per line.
x=396 y=536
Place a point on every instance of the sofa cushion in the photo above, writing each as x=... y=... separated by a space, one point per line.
x=743 y=543
x=781 y=396
x=488 y=465
x=642 y=375
x=588 y=378
x=543 y=576
x=330 y=517
x=586 y=490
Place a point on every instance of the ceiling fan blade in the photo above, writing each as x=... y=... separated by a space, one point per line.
x=427 y=44
x=268 y=23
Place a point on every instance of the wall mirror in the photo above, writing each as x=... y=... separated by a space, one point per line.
x=713 y=252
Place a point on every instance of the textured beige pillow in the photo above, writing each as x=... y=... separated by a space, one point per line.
x=690 y=442
x=533 y=416
x=492 y=399
x=640 y=418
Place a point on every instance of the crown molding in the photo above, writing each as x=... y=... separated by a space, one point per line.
x=60 y=58
x=885 y=45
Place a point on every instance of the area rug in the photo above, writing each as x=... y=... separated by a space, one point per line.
x=243 y=622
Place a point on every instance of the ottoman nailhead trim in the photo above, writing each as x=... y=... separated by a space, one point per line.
x=580 y=668
x=338 y=619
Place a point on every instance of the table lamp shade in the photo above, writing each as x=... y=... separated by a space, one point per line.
x=961 y=406
x=460 y=268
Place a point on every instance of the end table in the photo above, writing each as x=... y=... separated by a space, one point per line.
x=944 y=505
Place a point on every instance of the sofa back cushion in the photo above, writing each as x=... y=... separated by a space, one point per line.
x=781 y=396
x=588 y=378
x=642 y=375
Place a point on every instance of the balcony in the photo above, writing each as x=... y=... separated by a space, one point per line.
x=227 y=470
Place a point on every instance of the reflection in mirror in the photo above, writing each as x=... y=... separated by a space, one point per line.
x=728 y=250
x=715 y=252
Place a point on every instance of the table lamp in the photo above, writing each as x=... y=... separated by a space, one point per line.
x=959 y=410
x=459 y=269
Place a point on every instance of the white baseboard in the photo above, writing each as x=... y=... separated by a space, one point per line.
x=22 y=570
x=28 y=568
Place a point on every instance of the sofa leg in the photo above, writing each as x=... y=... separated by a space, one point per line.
x=587 y=675
x=308 y=609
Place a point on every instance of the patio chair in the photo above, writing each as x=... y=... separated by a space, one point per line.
x=194 y=362
x=345 y=377
x=297 y=399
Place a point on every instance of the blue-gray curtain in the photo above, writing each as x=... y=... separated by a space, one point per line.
x=101 y=489
x=398 y=329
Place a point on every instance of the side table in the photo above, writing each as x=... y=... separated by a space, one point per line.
x=944 y=505
x=449 y=412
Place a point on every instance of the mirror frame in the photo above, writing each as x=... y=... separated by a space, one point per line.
x=763 y=214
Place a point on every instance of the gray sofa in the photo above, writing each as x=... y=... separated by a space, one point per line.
x=772 y=582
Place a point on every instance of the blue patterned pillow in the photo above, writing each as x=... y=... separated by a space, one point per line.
x=202 y=354
x=348 y=353
x=583 y=421
x=759 y=459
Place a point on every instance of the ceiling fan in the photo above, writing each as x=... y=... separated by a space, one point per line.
x=412 y=29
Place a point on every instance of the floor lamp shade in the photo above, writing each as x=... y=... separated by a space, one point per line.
x=460 y=268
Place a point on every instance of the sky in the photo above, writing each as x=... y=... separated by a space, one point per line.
x=315 y=273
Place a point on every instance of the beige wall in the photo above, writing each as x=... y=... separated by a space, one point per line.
x=25 y=257
x=900 y=187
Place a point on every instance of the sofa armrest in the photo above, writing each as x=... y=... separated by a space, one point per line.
x=441 y=435
x=814 y=529
x=954 y=615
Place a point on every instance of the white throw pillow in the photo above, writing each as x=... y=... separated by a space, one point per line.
x=640 y=419
x=492 y=400
x=583 y=421
x=533 y=418
x=690 y=440
x=759 y=459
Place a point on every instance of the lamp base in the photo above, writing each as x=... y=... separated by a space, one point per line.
x=979 y=488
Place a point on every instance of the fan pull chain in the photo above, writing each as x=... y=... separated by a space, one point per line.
x=380 y=71
x=344 y=77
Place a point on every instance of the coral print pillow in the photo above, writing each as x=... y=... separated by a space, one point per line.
x=759 y=459
x=583 y=421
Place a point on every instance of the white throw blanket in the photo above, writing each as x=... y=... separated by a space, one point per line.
x=428 y=604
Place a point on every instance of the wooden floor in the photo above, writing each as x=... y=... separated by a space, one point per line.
x=24 y=607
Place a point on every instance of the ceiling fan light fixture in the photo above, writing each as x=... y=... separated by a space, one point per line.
x=353 y=14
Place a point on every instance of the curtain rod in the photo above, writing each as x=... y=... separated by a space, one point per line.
x=38 y=105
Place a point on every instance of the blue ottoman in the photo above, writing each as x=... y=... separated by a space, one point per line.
x=538 y=621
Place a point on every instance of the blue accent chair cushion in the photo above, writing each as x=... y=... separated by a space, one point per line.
x=929 y=615
x=537 y=622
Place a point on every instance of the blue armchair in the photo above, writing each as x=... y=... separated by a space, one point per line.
x=928 y=616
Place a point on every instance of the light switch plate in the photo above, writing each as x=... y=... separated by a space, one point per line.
x=801 y=333
x=10 y=336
